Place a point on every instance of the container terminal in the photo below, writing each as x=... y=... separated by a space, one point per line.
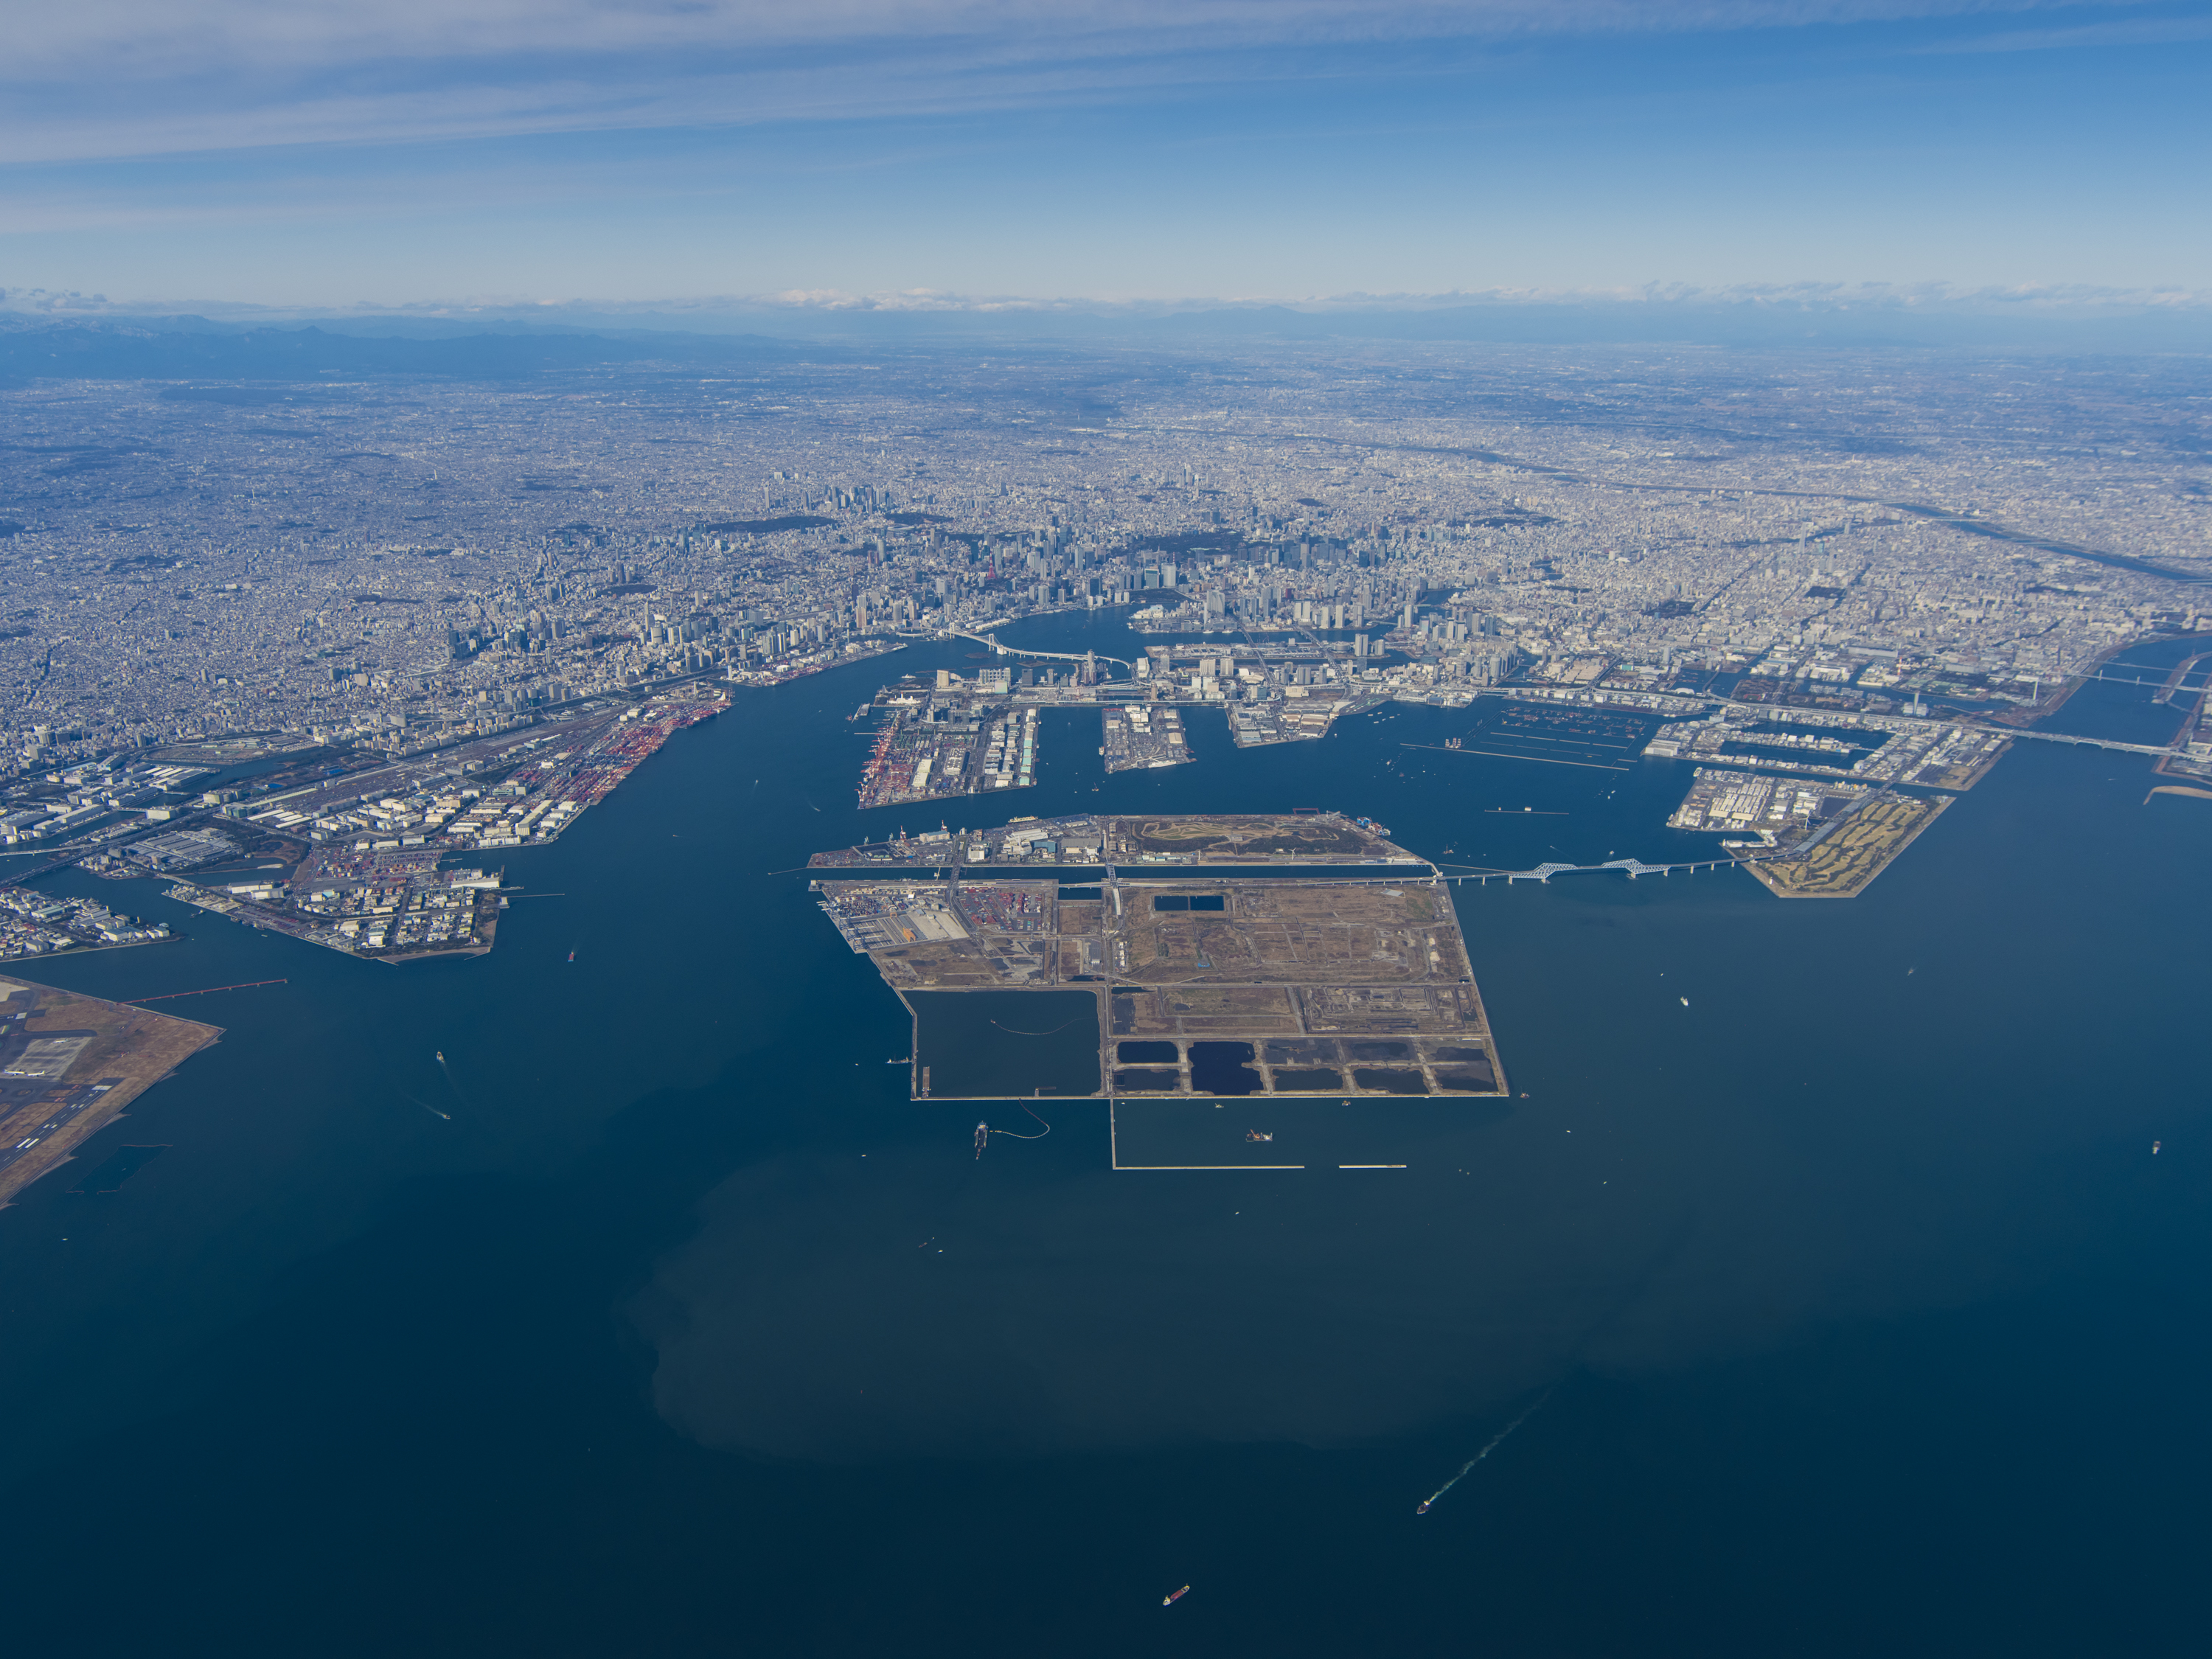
x=361 y=862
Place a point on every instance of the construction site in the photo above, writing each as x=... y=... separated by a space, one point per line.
x=1343 y=980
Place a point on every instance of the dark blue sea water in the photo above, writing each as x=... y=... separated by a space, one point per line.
x=1869 y=1321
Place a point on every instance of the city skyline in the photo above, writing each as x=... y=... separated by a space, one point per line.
x=400 y=564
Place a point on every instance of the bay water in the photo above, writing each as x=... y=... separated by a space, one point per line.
x=657 y=1320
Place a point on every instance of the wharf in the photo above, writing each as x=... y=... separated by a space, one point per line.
x=1218 y=838
x=940 y=743
x=1143 y=736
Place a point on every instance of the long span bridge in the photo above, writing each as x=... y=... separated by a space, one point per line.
x=1544 y=872
x=1006 y=650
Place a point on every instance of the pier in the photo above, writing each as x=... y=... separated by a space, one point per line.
x=207 y=990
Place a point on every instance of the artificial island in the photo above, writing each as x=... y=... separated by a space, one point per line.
x=69 y=1064
x=1829 y=797
x=1300 y=954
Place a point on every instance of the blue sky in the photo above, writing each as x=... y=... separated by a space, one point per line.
x=330 y=154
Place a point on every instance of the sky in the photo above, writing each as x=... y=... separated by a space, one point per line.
x=957 y=153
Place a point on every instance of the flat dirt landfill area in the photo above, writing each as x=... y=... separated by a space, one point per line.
x=1845 y=863
x=69 y=1064
x=1202 y=984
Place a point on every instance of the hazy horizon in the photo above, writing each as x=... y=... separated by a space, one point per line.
x=966 y=154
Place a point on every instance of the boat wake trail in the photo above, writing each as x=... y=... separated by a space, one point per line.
x=1055 y=1031
x=452 y=1082
x=984 y=1132
x=1495 y=1441
x=1040 y=1134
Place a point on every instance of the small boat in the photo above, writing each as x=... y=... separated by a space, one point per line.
x=441 y=1056
x=982 y=1138
x=1423 y=1509
x=1253 y=1134
x=1686 y=1002
x=1170 y=1599
x=572 y=955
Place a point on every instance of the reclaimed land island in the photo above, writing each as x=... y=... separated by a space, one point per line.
x=1203 y=955
x=69 y=1064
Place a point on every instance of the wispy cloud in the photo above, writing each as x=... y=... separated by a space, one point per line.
x=2083 y=37
x=106 y=78
x=161 y=40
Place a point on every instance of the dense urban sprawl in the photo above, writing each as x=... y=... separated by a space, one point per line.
x=397 y=565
